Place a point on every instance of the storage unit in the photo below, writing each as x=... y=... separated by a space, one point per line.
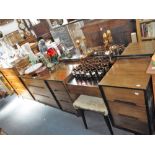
x=15 y=82
x=127 y=91
x=64 y=98
x=40 y=91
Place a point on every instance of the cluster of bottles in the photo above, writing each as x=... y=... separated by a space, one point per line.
x=114 y=50
x=92 y=69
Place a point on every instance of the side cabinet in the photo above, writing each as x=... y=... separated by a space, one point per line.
x=64 y=98
x=130 y=109
x=40 y=91
x=16 y=83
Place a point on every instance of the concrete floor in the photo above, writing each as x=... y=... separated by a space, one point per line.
x=26 y=117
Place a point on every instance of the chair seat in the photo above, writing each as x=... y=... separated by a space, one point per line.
x=90 y=103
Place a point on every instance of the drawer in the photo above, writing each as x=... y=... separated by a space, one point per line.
x=85 y=90
x=67 y=106
x=64 y=96
x=127 y=95
x=14 y=80
x=46 y=100
x=130 y=123
x=128 y=110
x=24 y=93
x=40 y=91
x=57 y=86
x=8 y=72
x=34 y=82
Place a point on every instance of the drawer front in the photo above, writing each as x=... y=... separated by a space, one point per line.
x=92 y=91
x=40 y=91
x=45 y=99
x=24 y=93
x=57 y=87
x=120 y=108
x=64 y=96
x=34 y=82
x=16 y=85
x=67 y=106
x=8 y=72
x=128 y=95
x=130 y=123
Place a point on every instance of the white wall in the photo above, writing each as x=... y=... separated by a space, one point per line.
x=10 y=27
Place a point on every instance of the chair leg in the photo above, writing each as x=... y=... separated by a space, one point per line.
x=106 y=118
x=83 y=118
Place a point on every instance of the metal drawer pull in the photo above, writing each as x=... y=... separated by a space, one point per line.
x=136 y=93
x=132 y=117
x=125 y=102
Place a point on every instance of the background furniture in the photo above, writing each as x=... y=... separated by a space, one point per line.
x=120 y=28
x=96 y=104
x=145 y=29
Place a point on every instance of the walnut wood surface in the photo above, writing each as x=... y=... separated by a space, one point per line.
x=128 y=73
x=146 y=47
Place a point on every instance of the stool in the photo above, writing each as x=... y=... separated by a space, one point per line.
x=90 y=103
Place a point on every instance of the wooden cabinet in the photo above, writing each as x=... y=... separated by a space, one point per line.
x=16 y=83
x=62 y=95
x=127 y=91
x=40 y=91
x=120 y=28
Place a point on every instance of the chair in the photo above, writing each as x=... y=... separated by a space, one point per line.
x=90 y=103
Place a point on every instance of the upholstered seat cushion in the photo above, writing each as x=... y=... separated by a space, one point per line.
x=90 y=103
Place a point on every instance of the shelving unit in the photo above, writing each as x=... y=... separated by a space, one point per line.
x=139 y=22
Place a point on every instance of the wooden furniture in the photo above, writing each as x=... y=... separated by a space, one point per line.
x=96 y=104
x=141 y=48
x=51 y=88
x=120 y=28
x=151 y=71
x=40 y=91
x=139 y=30
x=12 y=78
x=64 y=98
x=127 y=92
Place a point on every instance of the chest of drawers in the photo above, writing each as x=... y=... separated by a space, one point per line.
x=64 y=98
x=40 y=91
x=127 y=91
x=16 y=83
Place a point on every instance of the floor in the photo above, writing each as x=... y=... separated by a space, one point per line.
x=26 y=117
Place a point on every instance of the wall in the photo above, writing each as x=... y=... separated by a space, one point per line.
x=10 y=27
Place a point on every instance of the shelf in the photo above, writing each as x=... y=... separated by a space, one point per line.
x=147 y=21
x=148 y=38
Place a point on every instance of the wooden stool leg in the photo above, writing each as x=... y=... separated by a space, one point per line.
x=83 y=118
x=106 y=118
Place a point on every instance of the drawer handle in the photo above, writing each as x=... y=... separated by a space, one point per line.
x=58 y=90
x=125 y=102
x=36 y=86
x=64 y=101
x=132 y=117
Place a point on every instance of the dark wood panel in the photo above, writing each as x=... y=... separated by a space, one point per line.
x=34 y=82
x=130 y=96
x=117 y=108
x=76 y=89
x=57 y=87
x=131 y=123
x=67 y=106
x=46 y=100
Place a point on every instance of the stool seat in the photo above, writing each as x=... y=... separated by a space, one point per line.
x=91 y=103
